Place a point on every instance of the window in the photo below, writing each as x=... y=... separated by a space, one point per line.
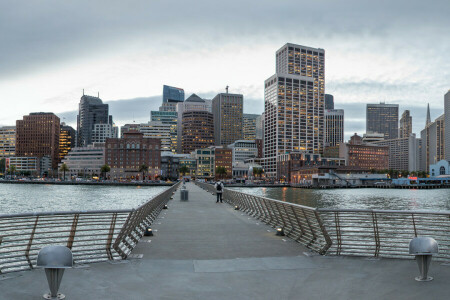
x=442 y=170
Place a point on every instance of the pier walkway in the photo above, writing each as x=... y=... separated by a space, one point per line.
x=205 y=250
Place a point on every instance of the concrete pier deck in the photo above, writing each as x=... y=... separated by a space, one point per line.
x=204 y=250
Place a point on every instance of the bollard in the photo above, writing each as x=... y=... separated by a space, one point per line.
x=54 y=259
x=423 y=248
x=184 y=194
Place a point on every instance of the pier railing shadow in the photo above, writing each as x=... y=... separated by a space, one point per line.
x=93 y=236
x=357 y=232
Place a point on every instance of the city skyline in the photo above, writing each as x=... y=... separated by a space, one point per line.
x=138 y=56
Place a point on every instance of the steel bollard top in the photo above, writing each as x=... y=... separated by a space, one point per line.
x=55 y=257
x=423 y=246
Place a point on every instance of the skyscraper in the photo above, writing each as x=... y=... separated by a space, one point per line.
x=171 y=96
x=228 y=118
x=382 y=118
x=433 y=147
x=447 y=125
x=170 y=118
x=37 y=135
x=66 y=140
x=405 y=125
x=329 y=101
x=91 y=111
x=7 y=141
x=249 y=126
x=294 y=104
x=334 y=127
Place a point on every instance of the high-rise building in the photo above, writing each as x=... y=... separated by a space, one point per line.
x=433 y=142
x=259 y=127
x=103 y=131
x=294 y=104
x=402 y=153
x=223 y=157
x=171 y=96
x=67 y=138
x=7 y=141
x=334 y=127
x=169 y=118
x=37 y=135
x=249 y=129
x=158 y=130
x=447 y=125
x=197 y=130
x=405 y=125
x=329 y=101
x=382 y=118
x=228 y=118
x=91 y=111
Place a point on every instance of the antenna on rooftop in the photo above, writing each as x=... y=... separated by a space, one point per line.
x=98 y=94
x=227 y=89
x=83 y=92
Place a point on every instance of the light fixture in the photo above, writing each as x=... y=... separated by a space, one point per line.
x=148 y=232
x=280 y=231
x=236 y=207
x=165 y=206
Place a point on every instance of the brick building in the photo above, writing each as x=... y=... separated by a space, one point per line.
x=366 y=156
x=224 y=158
x=197 y=130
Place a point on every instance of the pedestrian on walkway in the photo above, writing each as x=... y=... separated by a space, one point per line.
x=219 y=189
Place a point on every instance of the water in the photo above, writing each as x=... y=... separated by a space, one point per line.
x=390 y=199
x=24 y=198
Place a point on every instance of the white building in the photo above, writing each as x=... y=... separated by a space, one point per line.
x=243 y=150
x=7 y=141
x=84 y=161
x=159 y=130
x=24 y=164
x=372 y=137
x=402 y=153
x=103 y=131
x=440 y=168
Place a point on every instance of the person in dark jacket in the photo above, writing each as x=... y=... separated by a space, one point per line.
x=219 y=189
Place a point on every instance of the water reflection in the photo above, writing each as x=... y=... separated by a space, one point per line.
x=358 y=198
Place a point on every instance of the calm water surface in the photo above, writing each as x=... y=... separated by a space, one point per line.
x=437 y=199
x=23 y=198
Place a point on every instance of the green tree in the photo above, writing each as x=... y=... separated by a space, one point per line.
x=104 y=170
x=258 y=171
x=12 y=170
x=143 y=168
x=64 y=168
x=221 y=171
x=183 y=170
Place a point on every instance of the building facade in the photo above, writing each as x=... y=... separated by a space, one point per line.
x=223 y=157
x=23 y=164
x=7 y=141
x=170 y=118
x=249 y=126
x=205 y=159
x=402 y=153
x=158 y=130
x=433 y=144
x=334 y=127
x=170 y=164
x=382 y=118
x=84 y=162
x=447 y=125
x=67 y=140
x=228 y=118
x=329 y=101
x=37 y=135
x=441 y=168
x=243 y=150
x=405 y=125
x=294 y=104
x=103 y=131
x=366 y=156
x=91 y=111
x=197 y=130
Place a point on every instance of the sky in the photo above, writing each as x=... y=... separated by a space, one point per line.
x=50 y=50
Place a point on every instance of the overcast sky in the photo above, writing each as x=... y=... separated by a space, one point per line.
x=392 y=51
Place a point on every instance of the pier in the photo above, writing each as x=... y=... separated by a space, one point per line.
x=207 y=250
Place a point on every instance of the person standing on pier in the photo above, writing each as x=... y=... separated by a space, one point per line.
x=219 y=189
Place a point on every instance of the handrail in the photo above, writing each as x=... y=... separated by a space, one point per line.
x=93 y=236
x=335 y=231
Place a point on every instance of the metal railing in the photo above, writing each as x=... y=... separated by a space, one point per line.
x=92 y=236
x=374 y=233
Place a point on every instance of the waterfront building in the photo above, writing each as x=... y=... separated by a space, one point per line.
x=372 y=137
x=171 y=96
x=170 y=164
x=7 y=141
x=223 y=157
x=228 y=118
x=158 y=130
x=250 y=128
x=198 y=105
x=334 y=127
x=243 y=149
x=126 y=155
x=67 y=140
x=382 y=118
x=366 y=156
x=103 y=131
x=24 y=164
x=432 y=143
x=329 y=101
x=191 y=164
x=128 y=128
x=244 y=170
x=37 y=135
x=447 y=125
x=405 y=125
x=205 y=162
x=84 y=162
x=294 y=104
x=91 y=111
x=170 y=118
x=402 y=153
x=441 y=168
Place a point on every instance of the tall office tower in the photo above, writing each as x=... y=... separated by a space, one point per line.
x=294 y=104
x=382 y=118
x=103 y=131
x=447 y=125
x=334 y=127
x=91 y=111
x=405 y=125
x=228 y=118
x=37 y=135
x=193 y=103
x=249 y=129
x=197 y=130
x=158 y=130
x=67 y=137
x=329 y=101
x=170 y=118
x=433 y=144
x=171 y=96
x=7 y=141
x=259 y=127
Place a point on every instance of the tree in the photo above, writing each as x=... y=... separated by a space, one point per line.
x=221 y=171
x=183 y=170
x=258 y=171
x=2 y=165
x=143 y=168
x=12 y=170
x=64 y=168
x=105 y=169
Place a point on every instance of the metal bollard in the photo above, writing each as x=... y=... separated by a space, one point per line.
x=55 y=259
x=423 y=248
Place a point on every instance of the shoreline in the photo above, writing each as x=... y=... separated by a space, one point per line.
x=87 y=183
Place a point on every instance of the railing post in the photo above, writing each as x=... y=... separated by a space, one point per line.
x=328 y=241
x=30 y=242
x=376 y=234
x=73 y=230
x=110 y=236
